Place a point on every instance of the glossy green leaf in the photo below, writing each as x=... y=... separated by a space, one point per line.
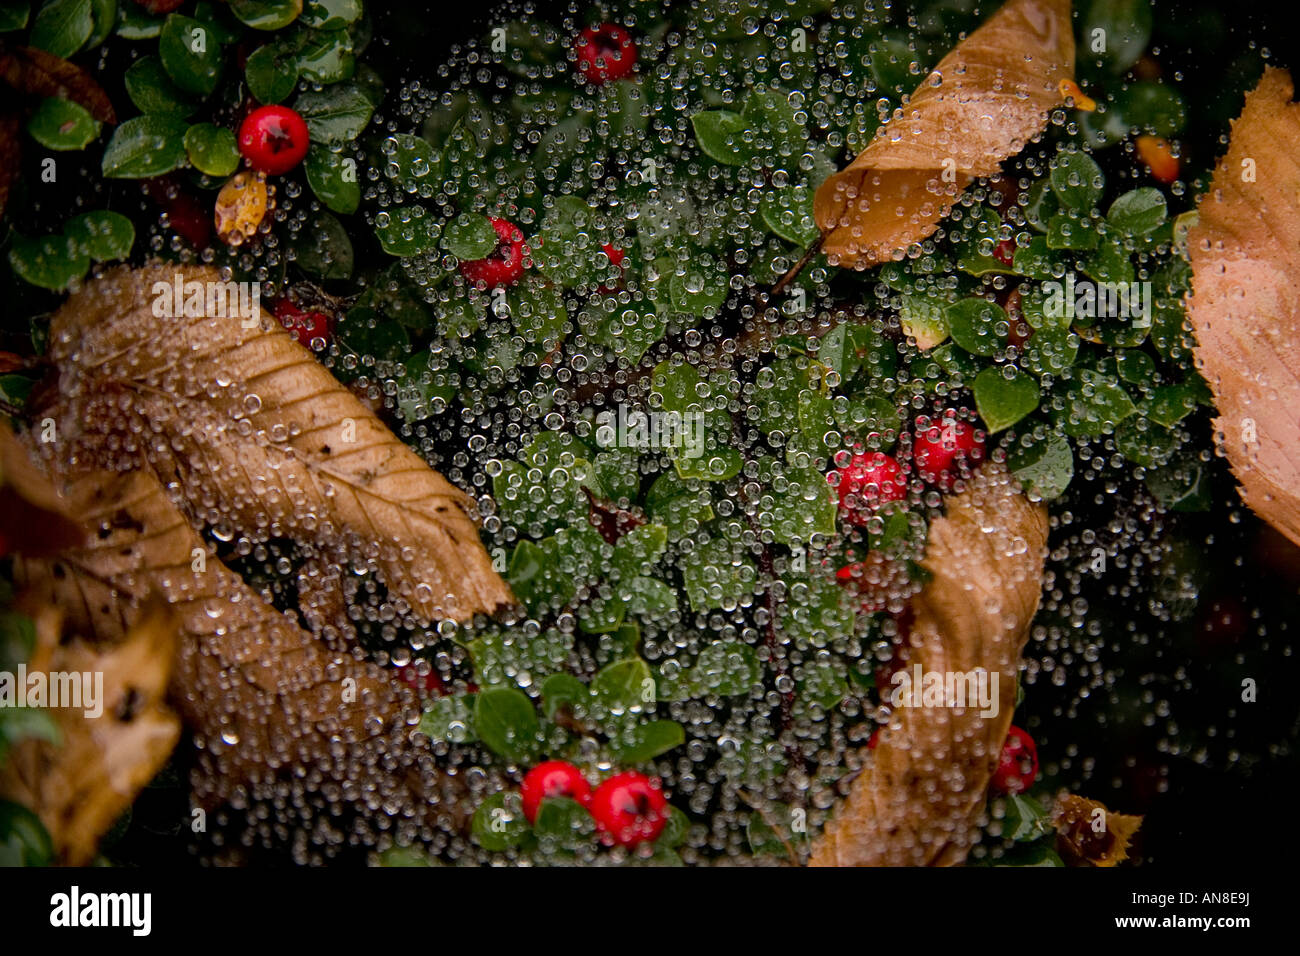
x=332 y=176
x=51 y=262
x=1138 y=212
x=62 y=27
x=271 y=72
x=1045 y=468
x=152 y=91
x=721 y=135
x=975 y=323
x=335 y=114
x=212 y=149
x=266 y=14
x=102 y=235
x=1077 y=180
x=1002 y=399
x=507 y=723
x=469 y=236
x=499 y=822
x=191 y=54
x=60 y=124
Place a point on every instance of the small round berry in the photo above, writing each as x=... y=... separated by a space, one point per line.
x=1005 y=252
x=311 y=327
x=273 y=139
x=425 y=685
x=1018 y=763
x=874 y=740
x=505 y=264
x=554 y=778
x=875 y=580
x=605 y=52
x=868 y=481
x=941 y=447
x=629 y=808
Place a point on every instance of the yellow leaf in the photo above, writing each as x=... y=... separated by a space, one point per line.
x=81 y=785
x=1245 y=302
x=985 y=101
x=918 y=799
x=241 y=206
x=1087 y=834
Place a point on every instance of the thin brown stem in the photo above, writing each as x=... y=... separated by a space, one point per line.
x=798 y=267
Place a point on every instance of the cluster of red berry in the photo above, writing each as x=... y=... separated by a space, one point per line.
x=870 y=480
x=628 y=808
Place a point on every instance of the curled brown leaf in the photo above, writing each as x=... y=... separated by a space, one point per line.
x=33 y=517
x=1245 y=302
x=80 y=785
x=1088 y=834
x=918 y=798
x=984 y=102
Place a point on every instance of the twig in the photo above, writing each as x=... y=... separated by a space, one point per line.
x=798 y=267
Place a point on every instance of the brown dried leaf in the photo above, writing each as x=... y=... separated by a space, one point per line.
x=264 y=698
x=1245 y=302
x=259 y=436
x=33 y=518
x=39 y=73
x=1087 y=834
x=984 y=102
x=918 y=799
x=80 y=786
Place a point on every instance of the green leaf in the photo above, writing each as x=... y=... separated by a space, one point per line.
x=330 y=14
x=643 y=742
x=1069 y=230
x=135 y=23
x=560 y=690
x=1134 y=367
x=191 y=54
x=676 y=829
x=336 y=114
x=1154 y=108
x=413 y=165
x=974 y=324
x=1045 y=468
x=14 y=14
x=407 y=230
x=1025 y=819
x=62 y=27
x=102 y=235
x=507 y=723
x=788 y=212
x=271 y=72
x=1035 y=260
x=1001 y=400
x=333 y=178
x=1041 y=204
x=1077 y=180
x=725 y=668
x=1050 y=351
x=701 y=288
x=62 y=125
x=212 y=149
x=636 y=551
x=717 y=574
x=152 y=91
x=562 y=825
x=469 y=236
x=1138 y=212
x=804 y=505
x=51 y=262
x=499 y=822
x=104 y=14
x=1182 y=485
x=266 y=14
x=145 y=146
x=323 y=248
x=23 y=838
x=326 y=56
x=720 y=134
x=566 y=247
x=1126 y=26
x=1170 y=404
x=1095 y=404
x=1145 y=443
x=777 y=131
x=28 y=723
x=625 y=687
x=450 y=719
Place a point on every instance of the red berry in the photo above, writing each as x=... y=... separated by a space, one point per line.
x=505 y=264
x=629 y=808
x=1005 y=252
x=941 y=446
x=868 y=481
x=1018 y=764
x=874 y=739
x=311 y=328
x=425 y=685
x=159 y=7
x=614 y=254
x=605 y=52
x=554 y=778
x=273 y=139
